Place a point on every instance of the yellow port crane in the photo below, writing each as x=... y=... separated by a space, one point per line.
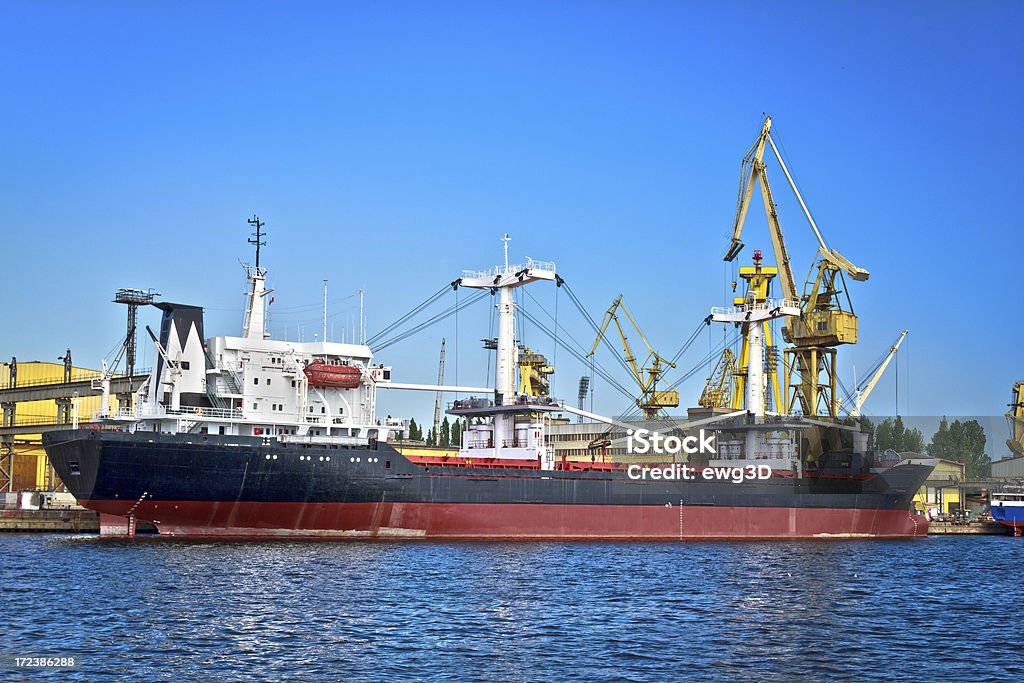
x=863 y=395
x=534 y=371
x=828 y=319
x=1015 y=416
x=719 y=389
x=651 y=400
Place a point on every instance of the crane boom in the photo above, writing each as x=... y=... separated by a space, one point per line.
x=1015 y=416
x=651 y=400
x=834 y=257
x=754 y=171
x=863 y=395
x=440 y=382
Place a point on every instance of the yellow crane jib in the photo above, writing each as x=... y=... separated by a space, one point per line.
x=718 y=391
x=863 y=395
x=651 y=399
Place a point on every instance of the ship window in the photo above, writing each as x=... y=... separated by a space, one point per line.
x=341 y=411
x=254 y=406
x=387 y=374
x=293 y=383
x=255 y=380
x=220 y=429
x=323 y=409
x=268 y=381
x=387 y=464
x=184 y=365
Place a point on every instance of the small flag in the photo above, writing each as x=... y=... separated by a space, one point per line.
x=271 y=299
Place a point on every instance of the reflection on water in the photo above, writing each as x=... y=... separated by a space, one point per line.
x=934 y=609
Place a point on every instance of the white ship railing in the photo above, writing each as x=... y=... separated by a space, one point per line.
x=499 y=270
x=160 y=411
x=769 y=305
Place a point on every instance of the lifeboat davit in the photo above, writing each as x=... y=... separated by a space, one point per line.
x=321 y=374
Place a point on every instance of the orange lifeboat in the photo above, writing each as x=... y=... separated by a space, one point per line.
x=321 y=374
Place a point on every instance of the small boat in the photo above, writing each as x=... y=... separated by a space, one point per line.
x=321 y=374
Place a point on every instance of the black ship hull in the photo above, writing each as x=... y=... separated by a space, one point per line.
x=206 y=485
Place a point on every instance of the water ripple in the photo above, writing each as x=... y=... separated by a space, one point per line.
x=155 y=610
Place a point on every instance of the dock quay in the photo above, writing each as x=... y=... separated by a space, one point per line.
x=976 y=528
x=55 y=521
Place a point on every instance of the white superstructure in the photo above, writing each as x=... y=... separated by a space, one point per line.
x=253 y=385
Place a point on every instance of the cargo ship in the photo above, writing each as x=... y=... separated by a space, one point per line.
x=254 y=437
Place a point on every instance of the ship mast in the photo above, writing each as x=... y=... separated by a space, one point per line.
x=255 y=314
x=752 y=311
x=503 y=279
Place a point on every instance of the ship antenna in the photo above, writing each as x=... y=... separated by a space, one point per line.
x=259 y=235
x=506 y=239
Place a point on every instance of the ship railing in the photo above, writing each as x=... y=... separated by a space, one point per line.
x=532 y=264
x=196 y=412
x=470 y=403
x=768 y=305
x=76 y=376
x=479 y=443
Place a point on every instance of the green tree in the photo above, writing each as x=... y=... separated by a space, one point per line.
x=962 y=442
x=894 y=434
x=445 y=439
x=431 y=440
x=415 y=433
x=456 y=437
x=941 y=445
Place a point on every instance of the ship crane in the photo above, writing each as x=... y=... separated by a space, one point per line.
x=862 y=395
x=651 y=400
x=826 y=317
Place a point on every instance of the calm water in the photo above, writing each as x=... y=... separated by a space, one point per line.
x=930 y=610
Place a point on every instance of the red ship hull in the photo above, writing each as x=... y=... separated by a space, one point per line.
x=522 y=521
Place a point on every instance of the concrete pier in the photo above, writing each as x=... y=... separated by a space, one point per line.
x=55 y=521
x=970 y=528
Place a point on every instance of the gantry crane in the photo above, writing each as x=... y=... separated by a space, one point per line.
x=862 y=395
x=651 y=400
x=827 y=318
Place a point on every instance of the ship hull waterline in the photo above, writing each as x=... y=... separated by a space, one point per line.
x=514 y=522
x=253 y=488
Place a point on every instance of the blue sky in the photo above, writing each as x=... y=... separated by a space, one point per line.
x=389 y=145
